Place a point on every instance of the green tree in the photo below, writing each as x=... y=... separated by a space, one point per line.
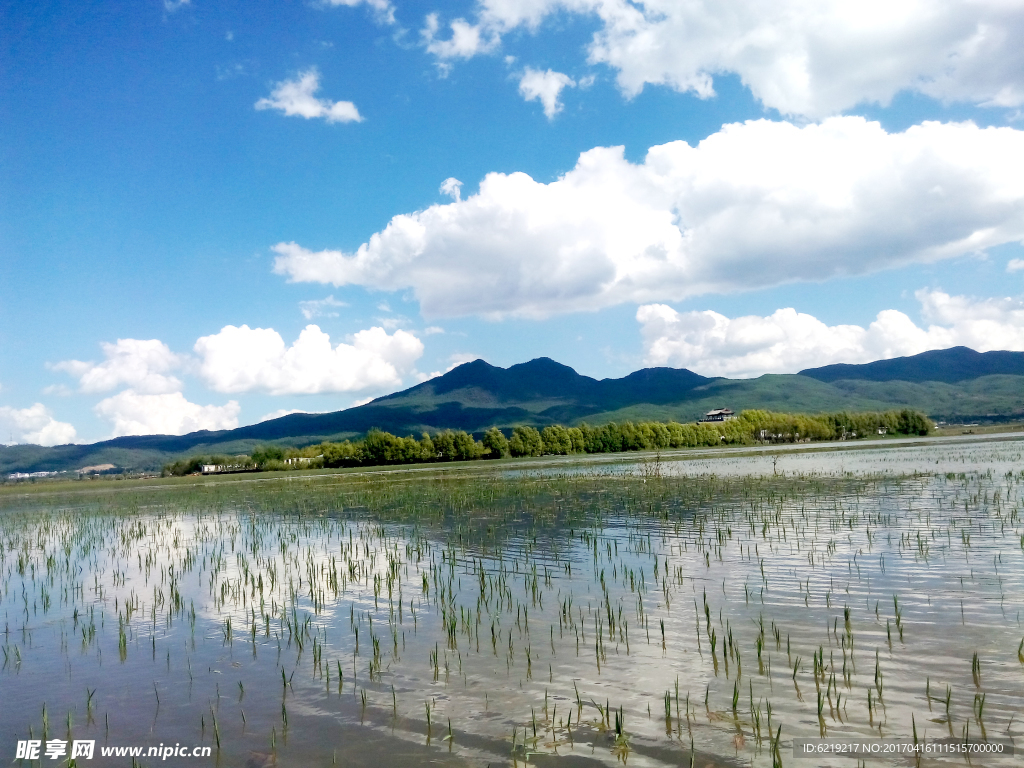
x=496 y=442
x=456 y=446
x=427 y=451
x=340 y=454
x=378 y=447
x=576 y=438
x=265 y=455
x=525 y=441
x=444 y=444
x=466 y=447
x=913 y=423
x=556 y=440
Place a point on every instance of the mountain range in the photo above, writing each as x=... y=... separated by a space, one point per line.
x=955 y=384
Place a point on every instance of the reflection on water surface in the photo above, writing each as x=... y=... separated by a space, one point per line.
x=656 y=613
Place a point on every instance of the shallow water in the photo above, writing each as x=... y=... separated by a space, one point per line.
x=976 y=453
x=534 y=608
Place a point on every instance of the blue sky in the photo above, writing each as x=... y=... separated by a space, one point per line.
x=739 y=188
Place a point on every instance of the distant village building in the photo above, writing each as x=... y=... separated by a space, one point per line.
x=247 y=466
x=719 y=414
x=216 y=469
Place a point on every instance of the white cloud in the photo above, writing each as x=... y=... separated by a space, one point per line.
x=454 y=361
x=467 y=40
x=451 y=187
x=390 y=323
x=143 y=364
x=296 y=97
x=430 y=330
x=256 y=359
x=788 y=341
x=982 y=324
x=279 y=413
x=1015 y=265
x=234 y=360
x=458 y=358
x=545 y=87
x=34 y=425
x=384 y=10
x=133 y=413
x=320 y=307
x=229 y=71
x=802 y=57
x=755 y=205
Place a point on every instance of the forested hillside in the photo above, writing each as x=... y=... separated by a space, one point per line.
x=948 y=385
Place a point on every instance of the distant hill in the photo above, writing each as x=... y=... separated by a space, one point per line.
x=953 y=384
x=545 y=386
x=947 y=365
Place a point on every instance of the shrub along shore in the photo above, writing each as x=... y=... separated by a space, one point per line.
x=749 y=428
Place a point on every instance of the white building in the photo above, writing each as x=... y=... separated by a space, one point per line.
x=719 y=414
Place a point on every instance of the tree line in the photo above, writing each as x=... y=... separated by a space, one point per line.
x=751 y=427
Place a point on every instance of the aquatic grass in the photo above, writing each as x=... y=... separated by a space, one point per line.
x=434 y=564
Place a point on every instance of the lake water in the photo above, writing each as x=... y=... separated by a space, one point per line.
x=651 y=612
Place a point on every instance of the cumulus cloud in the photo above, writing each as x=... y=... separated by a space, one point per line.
x=982 y=324
x=34 y=425
x=545 y=87
x=243 y=359
x=788 y=341
x=296 y=97
x=755 y=205
x=1015 y=265
x=800 y=57
x=466 y=40
x=143 y=364
x=134 y=413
